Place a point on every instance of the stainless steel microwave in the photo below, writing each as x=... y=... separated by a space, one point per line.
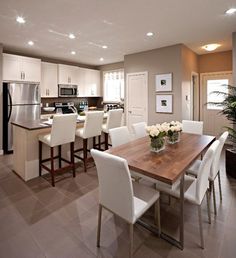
x=67 y=90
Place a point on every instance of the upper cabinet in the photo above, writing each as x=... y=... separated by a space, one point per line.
x=67 y=74
x=20 y=68
x=89 y=82
x=49 y=88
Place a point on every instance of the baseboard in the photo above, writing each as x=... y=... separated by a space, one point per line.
x=1 y=152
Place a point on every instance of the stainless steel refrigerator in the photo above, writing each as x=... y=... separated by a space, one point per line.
x=21 y=102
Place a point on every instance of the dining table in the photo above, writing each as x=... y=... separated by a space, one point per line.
x=167 y=166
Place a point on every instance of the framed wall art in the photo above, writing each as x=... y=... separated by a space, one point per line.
x=164 y=82
x=164 y=103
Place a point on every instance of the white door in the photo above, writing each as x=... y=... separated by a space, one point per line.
x=213 y=121
x=136 y=98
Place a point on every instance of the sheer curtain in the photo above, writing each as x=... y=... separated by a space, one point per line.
x=113 y=86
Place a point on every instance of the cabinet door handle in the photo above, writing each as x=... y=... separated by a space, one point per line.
x=23 y=75
x=48 y=92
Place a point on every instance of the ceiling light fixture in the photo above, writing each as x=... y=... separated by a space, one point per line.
x=31 y=43
x=73 y=52
x=101 y=59
x=231 y=11
x=71 y=36
x=20 y=19
x=150 y=34
x=105 y=47
x=211 y=47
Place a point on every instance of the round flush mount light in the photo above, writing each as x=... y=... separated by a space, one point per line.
x=150 y=34
x=105 y=47
x=73 y=52
x=71 y=36
x=20 y=19
x=231 y=11
x=101 y=59
x=211 y=47
x=31 y=43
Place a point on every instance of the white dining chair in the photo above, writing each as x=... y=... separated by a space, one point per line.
x=195 y=189
x=215 y=169
x=194 y=127
x=139 y=129
x=114 y=120
x=119 y=136
x=62 y=132
x=119 y=195
x=92 y=128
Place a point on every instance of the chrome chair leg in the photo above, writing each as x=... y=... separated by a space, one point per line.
x=214 y=197
x=219 y=180
x=157 y=216
x=200 y=225
x=208 y=206
x=131 y=235
x=99 y=224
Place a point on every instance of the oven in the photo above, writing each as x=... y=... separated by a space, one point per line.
x=67 y=90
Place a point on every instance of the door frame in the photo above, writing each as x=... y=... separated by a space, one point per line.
x=145 y=73
x=201 y=87
x=195 y=95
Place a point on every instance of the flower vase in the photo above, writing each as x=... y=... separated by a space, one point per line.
x=173 y=138
x=157 y=144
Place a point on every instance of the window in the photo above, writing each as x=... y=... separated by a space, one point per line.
x=216 y=85
x=113 y=86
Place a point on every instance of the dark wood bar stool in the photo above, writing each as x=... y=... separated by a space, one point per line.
x=92 y=128
x=63 y=132
x=114 y=119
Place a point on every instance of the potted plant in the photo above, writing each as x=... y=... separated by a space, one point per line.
x=229 y=110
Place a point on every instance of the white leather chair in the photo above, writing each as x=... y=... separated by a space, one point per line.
x=215 y=168
x=119 y=195
x=140 y=129
x=119 y=135
x=114 y=119
x=195 y=189
x=63 y=132
x=194 y=127
x=92 y=128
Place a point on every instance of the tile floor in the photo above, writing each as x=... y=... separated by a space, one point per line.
x=37 y=220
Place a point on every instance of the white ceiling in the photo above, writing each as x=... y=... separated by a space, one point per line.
x=120 y=24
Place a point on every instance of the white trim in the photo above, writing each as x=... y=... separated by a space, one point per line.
x=1 y=152
x=195 y=74
x=126 y=94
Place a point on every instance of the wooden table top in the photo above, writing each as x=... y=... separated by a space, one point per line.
x=168 y=165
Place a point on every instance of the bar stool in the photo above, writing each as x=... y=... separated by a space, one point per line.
x=63 y=132
x=113 y=120
x=92 y=128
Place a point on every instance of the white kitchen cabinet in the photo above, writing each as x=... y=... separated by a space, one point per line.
x=89 y=82
x=21 y=68
x=49 y=88
x=67 y=74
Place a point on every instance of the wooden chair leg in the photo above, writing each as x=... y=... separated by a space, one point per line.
x=94 y=142
x=106 y=141
x=85 y=141
x=99 y=142
x=59 y=155
x=40 y=158
x=52 y=166
x=99 y=224
x=72 y=158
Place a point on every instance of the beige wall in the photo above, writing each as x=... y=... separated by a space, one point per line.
x=189 y=65
x=234 y=58
x=159 y=61
x=1 y=49
x=215 y=62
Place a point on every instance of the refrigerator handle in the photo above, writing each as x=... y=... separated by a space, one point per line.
x=9 y=95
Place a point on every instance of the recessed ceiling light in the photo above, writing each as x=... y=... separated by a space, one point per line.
x=31 y=43
x=101 y=59
x=150 y=34
x=71 y=36
x=211 y=47
x=20 y=19
x=231 y=11
x=104 y=46
x=73 y=52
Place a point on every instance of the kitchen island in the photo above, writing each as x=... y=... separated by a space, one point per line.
x=25 y=146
